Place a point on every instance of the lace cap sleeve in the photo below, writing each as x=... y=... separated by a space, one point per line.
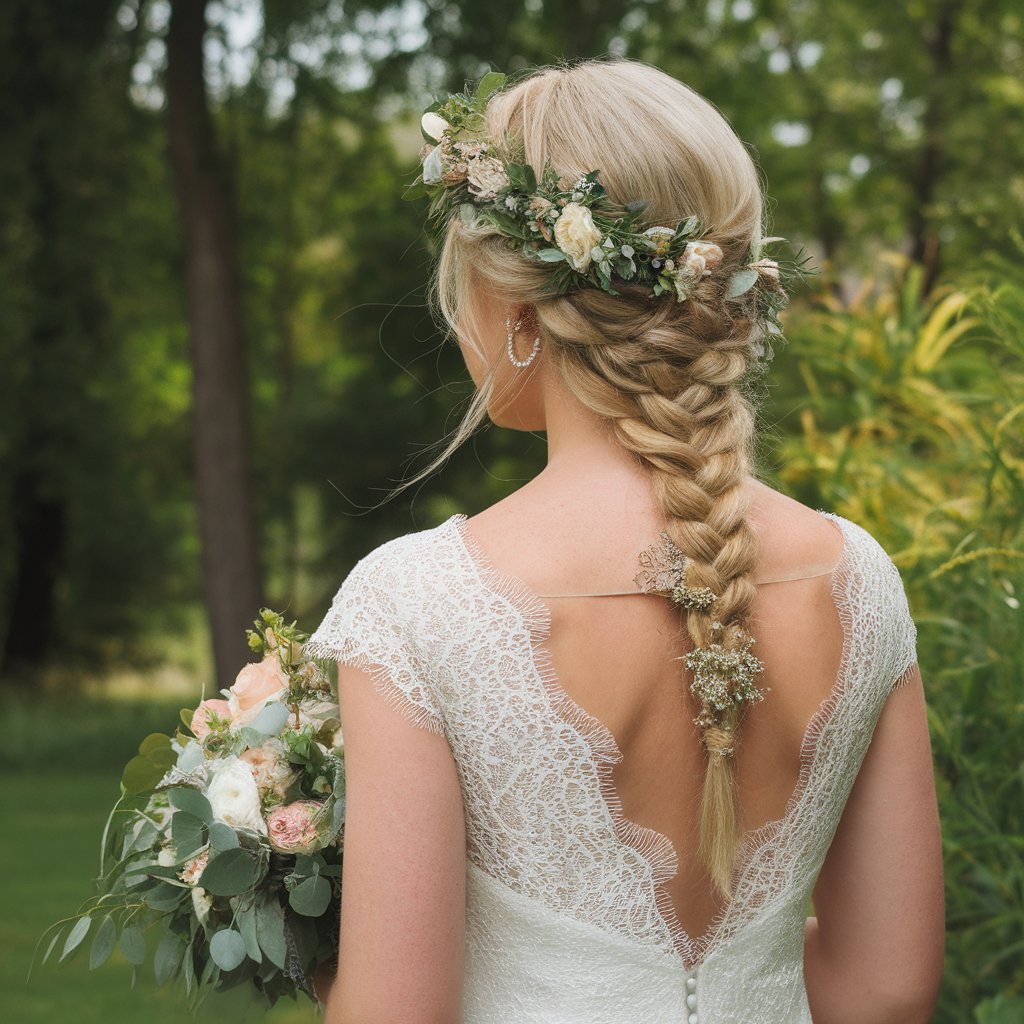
x=904 y=633
x=371 y=625
x=898 y=631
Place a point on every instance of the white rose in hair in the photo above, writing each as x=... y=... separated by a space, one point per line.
x=576 y=234
x=234 y=796
x=486 y=177
x=434 y=124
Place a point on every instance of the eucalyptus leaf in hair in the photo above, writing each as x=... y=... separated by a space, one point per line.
x=572 y=227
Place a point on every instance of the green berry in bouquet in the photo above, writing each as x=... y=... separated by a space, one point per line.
x=221 y=860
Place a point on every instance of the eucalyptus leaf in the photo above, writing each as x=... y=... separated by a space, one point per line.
x=270 y=930
x=271 y=720
x=141 y=774
x=189 y=970
x=191 y=757
x=165 y=895
x=551 y=255
x=102 y=943
x=246 y=921
x=75 y=936
x=167 y=958
x=187 y=833
x=152 y=871
x=190 y=800
x=227 y=948
x=229 y=873
x=741 y=282
x=133 y=945
x=311 y=897
x=223 y=837
x=154 y=741
x=49 y=948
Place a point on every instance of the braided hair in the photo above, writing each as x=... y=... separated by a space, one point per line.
x=675 y=381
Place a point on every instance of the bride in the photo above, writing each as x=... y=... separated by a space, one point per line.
x=644 y=742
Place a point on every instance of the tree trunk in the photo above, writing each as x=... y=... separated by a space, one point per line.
x=927 y=175
x=231 y=566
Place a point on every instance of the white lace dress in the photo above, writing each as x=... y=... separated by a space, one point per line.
x=567 y=917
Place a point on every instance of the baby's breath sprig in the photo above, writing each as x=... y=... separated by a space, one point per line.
x=723 y=679
x=585 y=238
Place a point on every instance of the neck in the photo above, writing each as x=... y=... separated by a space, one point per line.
x=582 y=444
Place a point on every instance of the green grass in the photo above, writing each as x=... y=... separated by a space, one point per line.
x=54 y=810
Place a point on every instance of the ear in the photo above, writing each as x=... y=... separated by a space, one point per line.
x=527 y=315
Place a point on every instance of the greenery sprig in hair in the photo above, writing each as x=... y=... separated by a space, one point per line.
x=585 y=238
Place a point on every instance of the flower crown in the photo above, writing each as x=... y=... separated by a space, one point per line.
x=583 y=236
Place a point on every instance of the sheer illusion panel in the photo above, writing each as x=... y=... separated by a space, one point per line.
x=611 y=668
x=374 y=626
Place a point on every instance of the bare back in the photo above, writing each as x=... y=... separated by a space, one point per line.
x=615 y=656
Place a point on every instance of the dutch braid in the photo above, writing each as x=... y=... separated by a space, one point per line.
x=675 y=399
x=672 y=379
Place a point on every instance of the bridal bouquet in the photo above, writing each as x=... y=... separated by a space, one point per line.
x=227 y=838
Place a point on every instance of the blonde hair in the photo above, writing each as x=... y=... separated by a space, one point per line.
x=674 y=380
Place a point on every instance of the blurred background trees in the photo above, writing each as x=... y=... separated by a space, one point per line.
x=219 y=359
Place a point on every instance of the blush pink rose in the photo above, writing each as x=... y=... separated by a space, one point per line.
x=254 y=686
x=201 y=716
x=291 y=828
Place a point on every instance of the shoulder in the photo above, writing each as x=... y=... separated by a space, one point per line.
x=874 y=598
x=387 y=591
x=401 y=565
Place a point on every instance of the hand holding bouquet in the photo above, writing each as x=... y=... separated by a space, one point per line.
x=229 y=840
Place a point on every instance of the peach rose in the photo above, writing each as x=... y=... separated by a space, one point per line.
x=705 y=256
x=254 y=686
x=291 y=828
x=270 y=768
x=194 y=867
x=200 y=725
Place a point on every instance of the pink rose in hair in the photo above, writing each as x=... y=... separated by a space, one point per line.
x=291 y=828
x=254 y=686
x=200 y=725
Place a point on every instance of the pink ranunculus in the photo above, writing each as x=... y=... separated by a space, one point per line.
x=291 y=829
x=201 y=716
x=254 y=686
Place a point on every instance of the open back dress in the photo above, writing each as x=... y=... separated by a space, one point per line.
x=571 y=917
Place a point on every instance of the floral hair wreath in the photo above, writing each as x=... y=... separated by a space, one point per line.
x=584 y=236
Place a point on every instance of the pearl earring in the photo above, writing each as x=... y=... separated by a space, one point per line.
x=511 y=351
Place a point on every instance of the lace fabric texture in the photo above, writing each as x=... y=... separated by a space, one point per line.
x=458 y=647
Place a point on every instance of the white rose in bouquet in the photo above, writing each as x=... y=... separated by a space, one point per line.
x=234 y=795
